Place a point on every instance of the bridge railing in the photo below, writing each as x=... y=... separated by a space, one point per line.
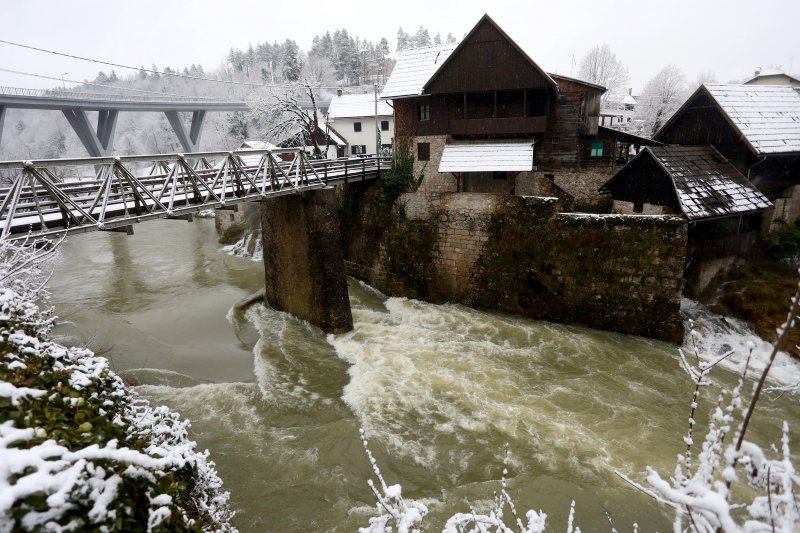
x=80 y=95
x=120 y=191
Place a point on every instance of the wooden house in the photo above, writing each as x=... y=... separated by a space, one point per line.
x=756 y=128
x=723 y=208
x=482 y=116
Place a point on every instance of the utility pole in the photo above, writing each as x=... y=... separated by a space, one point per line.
x=377 y=125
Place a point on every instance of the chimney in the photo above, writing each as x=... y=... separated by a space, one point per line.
x=630 y=91
x=338 y=92
x=758 y=71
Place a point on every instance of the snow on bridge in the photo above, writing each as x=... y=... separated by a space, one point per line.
x=39 y=203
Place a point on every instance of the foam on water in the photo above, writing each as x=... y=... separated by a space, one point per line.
x=428 y=379
x=716 y=335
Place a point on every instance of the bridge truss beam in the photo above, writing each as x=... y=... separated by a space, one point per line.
x=40 y=203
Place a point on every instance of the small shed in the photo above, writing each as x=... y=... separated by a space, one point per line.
x=695 y=181
x=723 y=208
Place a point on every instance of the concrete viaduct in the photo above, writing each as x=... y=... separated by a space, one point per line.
x=99 y=141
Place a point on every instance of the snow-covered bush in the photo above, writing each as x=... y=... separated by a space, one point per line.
x=78 y=451
x=733 y=485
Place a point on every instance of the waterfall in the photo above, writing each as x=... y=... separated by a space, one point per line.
x=249 y=246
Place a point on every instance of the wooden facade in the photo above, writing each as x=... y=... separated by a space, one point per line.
x=488 y=88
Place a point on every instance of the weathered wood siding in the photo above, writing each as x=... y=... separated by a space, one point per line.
x=487 y=61
x=644 y=181
x=702 y=122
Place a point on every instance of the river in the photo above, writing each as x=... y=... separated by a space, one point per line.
x=441 y=390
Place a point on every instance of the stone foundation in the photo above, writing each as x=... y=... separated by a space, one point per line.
x=519 y=255
x=303 y=259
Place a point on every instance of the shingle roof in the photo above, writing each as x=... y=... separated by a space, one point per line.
x=768 y=116
x=357 y=105
x=487 y=157
x=414 y=68
x=706 y=183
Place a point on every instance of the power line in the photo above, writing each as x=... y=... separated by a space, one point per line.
x=129 y=67
x=173 y=74
x=104 y=86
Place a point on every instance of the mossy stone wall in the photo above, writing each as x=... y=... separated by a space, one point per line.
x=518 y=255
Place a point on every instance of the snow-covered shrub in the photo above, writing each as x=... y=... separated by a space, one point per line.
x=732 y=485
x=78 y=451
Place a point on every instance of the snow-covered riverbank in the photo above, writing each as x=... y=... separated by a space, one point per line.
x=78 y=450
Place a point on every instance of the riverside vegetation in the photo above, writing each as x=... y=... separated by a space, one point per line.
x=78 y=450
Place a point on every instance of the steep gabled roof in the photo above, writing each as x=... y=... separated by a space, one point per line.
x=706 y=184
x=767 y=117
x=414 y=68
x=357 y=105
x=417 y=68
x=486 y=19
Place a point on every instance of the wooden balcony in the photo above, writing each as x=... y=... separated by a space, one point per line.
x=499 y=126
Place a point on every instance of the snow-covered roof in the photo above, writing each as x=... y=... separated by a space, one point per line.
x=706 y=183
x=487 y=157
x=618 y=99
x=357 y=105
x=766 y=73
x=767 y=116
x=414 y=68
x=258 y=145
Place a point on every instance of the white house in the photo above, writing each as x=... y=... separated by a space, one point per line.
x=354 y=118
x=617 y=110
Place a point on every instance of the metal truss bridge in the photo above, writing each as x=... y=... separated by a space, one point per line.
x=49 y=197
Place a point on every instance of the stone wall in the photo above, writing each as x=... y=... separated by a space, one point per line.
x=303 y=259
x=518 y=255
x=432 y=181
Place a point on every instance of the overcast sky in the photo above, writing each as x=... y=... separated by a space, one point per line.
x=728 y=37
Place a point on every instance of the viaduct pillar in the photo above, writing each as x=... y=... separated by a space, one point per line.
x=304 y=259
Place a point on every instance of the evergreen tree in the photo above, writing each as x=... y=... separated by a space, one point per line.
x=422 y=37
x=291 y=60
x=403 y=40
x=113 y=77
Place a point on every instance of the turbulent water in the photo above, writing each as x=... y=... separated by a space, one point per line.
x=441 y=390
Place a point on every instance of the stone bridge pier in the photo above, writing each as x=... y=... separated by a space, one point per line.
x=304 y=259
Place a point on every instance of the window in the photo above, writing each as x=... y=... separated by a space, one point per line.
x=555 y=140
x=356 y=126
x=423 y=151
x=638 y=207
x=597 y=149
x=384 y=125
x=358 y=149
x=424 y=112
x=500 y=175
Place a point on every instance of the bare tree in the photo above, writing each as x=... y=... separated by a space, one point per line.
x=602 y=67
x=319 y=70
x=661 y=97
x=707 y=76
x=288 y=116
